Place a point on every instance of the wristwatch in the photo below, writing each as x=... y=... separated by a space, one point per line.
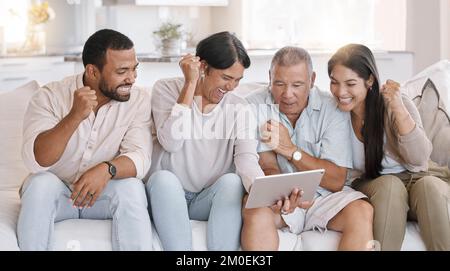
x=111 y=169
x=297 y=155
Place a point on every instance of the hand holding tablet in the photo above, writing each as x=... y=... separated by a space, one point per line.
x=268 y=190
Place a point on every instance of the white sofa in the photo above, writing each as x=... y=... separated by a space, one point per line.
x=95 y=234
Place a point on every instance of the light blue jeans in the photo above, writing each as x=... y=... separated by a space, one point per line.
x=45 y=201
x=172 y=208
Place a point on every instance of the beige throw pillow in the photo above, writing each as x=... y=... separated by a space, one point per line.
x=436 y=122
x=439 y=73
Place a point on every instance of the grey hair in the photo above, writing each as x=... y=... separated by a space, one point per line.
x=289 y=56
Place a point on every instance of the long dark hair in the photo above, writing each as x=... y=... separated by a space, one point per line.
x=360 y=59
x=222 y=50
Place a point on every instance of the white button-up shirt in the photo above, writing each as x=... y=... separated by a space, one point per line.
x=118 y=129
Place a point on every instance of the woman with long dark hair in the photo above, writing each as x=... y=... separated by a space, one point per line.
x=390 y=152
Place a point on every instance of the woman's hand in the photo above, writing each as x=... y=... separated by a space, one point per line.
x=402 y=120
x=392 y=95
x=190 y=65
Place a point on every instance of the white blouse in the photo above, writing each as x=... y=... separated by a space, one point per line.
x=389 y=165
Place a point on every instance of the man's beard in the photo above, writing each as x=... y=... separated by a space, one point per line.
x=113 y=93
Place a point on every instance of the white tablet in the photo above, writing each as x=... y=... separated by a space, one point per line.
x=267 y=190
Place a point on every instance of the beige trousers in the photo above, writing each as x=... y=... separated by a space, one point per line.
x=423 y=197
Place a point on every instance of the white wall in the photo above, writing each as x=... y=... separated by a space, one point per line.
x=72 y=25
x=445 y=29
x=423 y=35
x=390 y=24
x=139 y=22
x=228 y=18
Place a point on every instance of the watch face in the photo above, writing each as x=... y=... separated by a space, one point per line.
x=112 y=169
x=297 y=156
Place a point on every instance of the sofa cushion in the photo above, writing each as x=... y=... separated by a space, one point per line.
x=436 y=122
x=9 y=212
x=83 y=235
x=413 y=241
x=73 y=234
x=12 y=110
x=315 y=241
x=329 y=240
x=88 y=235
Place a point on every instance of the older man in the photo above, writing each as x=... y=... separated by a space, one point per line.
x=311 y=134
x=86 y=142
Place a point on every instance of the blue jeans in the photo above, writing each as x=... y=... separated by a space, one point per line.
x=172 y=208
x=45 y=201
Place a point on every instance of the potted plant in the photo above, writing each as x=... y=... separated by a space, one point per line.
x=169 y=34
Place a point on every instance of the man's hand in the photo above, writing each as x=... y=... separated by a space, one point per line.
x=288 y=206
x=90 y=185
x=277 y=137
x=84 y=102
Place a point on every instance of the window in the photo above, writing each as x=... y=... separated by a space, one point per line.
x=324 y=24
x=13 y=19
